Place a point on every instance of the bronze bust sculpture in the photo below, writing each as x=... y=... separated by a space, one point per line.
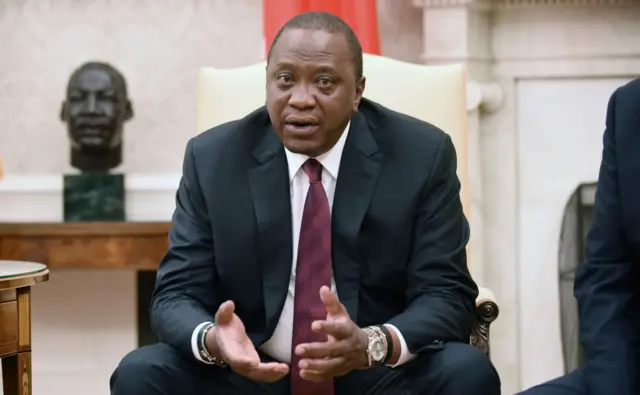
x=95 y=110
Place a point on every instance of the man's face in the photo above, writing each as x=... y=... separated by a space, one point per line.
x=95 y=110
x=311 y=89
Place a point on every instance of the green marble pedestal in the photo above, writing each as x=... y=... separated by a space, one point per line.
x=94 y=197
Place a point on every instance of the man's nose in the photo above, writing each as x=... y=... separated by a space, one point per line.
x=92 y=106
x=302 y=97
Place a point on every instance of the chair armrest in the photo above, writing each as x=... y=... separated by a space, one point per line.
x=486 y=312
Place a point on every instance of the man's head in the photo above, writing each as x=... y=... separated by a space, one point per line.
x=314 y=81
x=96 y=107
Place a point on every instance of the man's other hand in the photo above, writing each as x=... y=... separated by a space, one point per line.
x=228 y=340
x=344 y=351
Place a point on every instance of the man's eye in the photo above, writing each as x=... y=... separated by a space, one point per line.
x=324 y=82
x=286 y=78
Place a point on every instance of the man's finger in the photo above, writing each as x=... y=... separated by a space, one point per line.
x=240 y=359
x=323 y=366
x=242 y=363
x=331 y=349
x=337 y=329
x=331 y=301
x=271 y=368
x=315 y=376
x=225 y=313
x=268 y=372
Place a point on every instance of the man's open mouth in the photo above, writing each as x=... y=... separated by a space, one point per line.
x=301 y=125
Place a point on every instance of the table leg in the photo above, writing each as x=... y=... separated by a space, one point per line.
x=16 y=374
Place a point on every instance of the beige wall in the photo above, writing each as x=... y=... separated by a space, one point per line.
x=158 y=45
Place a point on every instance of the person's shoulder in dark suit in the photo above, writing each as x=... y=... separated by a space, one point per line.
x=632 y=87
x=624 y=109
x=607 y=283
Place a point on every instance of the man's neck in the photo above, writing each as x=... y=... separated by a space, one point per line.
x=96 y=162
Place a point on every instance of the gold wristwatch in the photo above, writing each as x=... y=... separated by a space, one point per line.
x=378 y=347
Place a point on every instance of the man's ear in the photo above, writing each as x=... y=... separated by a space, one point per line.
x=128 y=111
x=266 y=81
x=360 y=85
x=63 y=111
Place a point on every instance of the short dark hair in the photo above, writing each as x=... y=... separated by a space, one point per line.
x=118 y=79
x=329 y=23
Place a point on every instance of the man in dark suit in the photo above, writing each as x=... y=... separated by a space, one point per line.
x=317 y=247
x=607 y=285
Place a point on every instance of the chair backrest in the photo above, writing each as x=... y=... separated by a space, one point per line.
x=436 y=94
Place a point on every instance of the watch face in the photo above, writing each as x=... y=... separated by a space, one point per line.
x=377 y=351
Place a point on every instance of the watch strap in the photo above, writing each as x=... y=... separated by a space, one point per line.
x=385 y=330
x=202 y=347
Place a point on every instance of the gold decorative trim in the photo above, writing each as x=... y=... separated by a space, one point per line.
x=26 y=374
x=24 y=318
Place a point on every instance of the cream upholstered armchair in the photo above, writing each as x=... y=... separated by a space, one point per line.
x=436 y=94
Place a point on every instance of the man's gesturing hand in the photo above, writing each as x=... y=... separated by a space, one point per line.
x=229 y=340
x=345 y=350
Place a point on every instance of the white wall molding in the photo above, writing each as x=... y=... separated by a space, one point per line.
x=523 y=4
x=568 y=68
x=483 y=4
x=583 y=38
x=483 y=96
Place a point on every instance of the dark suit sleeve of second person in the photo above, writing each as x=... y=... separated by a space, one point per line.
x=185 y=294
x=605 y=284
x=441 y=293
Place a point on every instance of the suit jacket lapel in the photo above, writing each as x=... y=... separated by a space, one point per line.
x=359 y=169
x=270 y=190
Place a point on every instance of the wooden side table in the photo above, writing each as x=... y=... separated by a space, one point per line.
x=16 y=279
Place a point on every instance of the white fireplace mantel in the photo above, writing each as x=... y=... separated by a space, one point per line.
x=39 y=197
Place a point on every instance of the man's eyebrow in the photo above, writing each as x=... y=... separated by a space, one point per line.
x=325 y=68
x=284 y=63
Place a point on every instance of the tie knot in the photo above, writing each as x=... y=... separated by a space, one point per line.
x=313 y=168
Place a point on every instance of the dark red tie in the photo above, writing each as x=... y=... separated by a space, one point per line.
x=313 y=270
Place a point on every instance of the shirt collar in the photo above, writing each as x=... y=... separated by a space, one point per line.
x=330 y=160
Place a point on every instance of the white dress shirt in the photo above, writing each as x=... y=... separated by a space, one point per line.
x=279 y=345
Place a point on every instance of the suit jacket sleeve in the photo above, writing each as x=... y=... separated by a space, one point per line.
x=185 y=294
x=604 y=285
x=441 y=294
